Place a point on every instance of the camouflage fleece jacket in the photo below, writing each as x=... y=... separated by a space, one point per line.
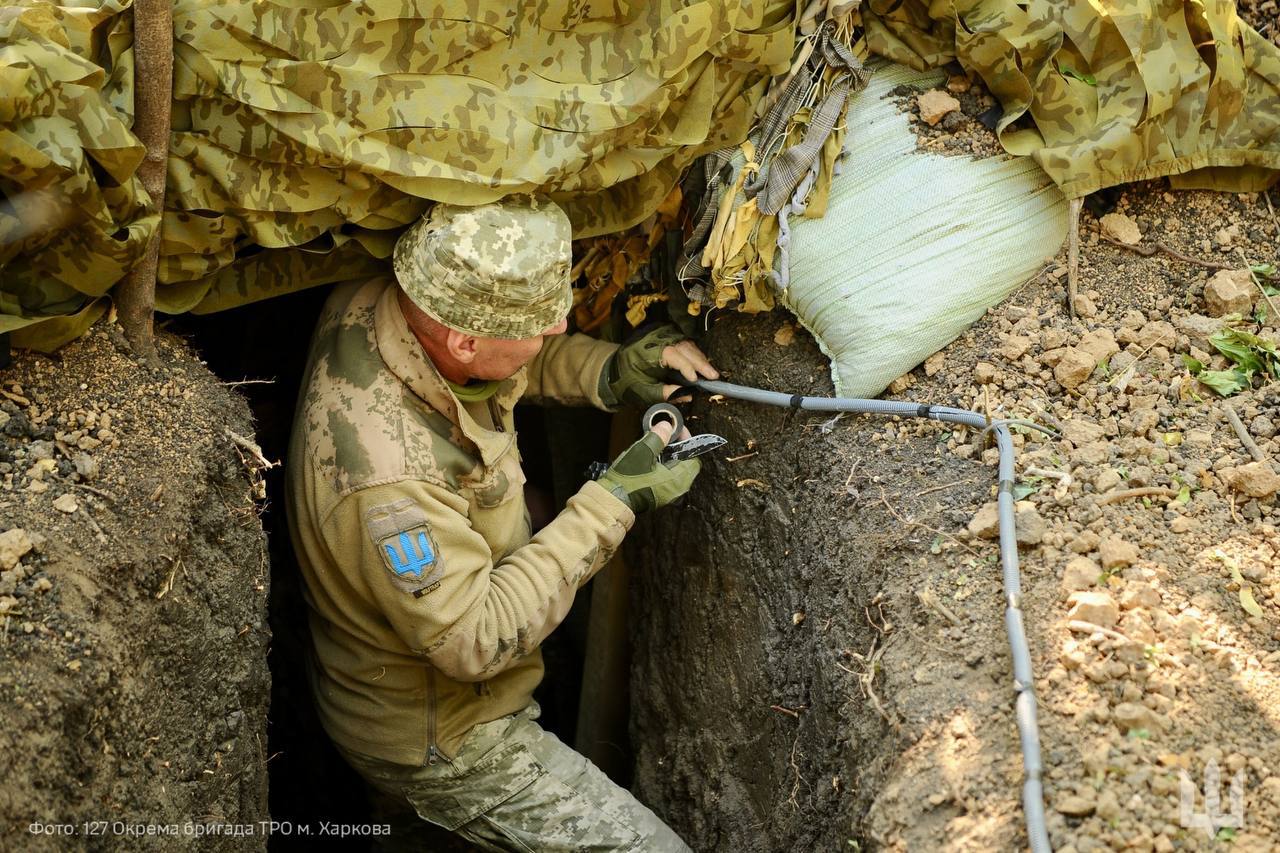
x=428 y=599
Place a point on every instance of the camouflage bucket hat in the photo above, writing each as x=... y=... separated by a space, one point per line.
x=499 y=270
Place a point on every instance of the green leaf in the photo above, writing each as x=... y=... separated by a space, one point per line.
x=1226 y=833
x=1192 y=364
x=1251 y=353
x=1264 y=270
x=1225 y=382
x=1083 y=78
x=1229 y=343
x=1021 y=491
x=1184 y=494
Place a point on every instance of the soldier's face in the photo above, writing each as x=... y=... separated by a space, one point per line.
x=496 y=358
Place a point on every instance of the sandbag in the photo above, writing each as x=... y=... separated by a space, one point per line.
x=914 y=246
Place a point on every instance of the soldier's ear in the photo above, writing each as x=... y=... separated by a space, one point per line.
x=462 y=347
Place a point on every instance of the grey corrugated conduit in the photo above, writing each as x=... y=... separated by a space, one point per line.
x=1023 y=685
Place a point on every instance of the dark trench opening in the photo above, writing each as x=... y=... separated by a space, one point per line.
x=264 y=346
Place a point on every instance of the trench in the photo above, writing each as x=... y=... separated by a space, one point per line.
x=782 y=662
x=753 y=605
x=720 y=627
x=264 y=347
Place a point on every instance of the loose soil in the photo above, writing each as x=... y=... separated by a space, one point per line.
x=1263 y=16
x=133 y=630
x=820 y=657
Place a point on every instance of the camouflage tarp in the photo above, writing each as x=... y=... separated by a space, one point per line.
x=306 y=135
x=1109 y=91
x=73 y=217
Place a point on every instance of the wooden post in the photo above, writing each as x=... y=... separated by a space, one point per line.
x=605 y=701
x=152 y=100
x=1073 y=254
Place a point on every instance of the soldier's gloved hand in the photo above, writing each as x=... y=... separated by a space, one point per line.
x=635 y=373
x=641 y=481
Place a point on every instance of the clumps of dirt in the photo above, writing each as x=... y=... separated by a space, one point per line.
x=956 y=118
x=133 y=592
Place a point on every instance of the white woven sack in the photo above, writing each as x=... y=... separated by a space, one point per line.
x=914 y=246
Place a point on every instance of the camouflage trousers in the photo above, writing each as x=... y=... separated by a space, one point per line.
x=514 y=787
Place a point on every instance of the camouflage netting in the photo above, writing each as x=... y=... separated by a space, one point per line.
x=1110 y=91
x=73 y=216
x=307 y=135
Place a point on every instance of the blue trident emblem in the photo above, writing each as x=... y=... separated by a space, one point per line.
x=412 y=560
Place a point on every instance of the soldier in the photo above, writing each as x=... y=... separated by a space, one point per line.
x=428 y=597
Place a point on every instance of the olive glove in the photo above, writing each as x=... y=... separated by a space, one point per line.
x=642 y=482
x=635 y=373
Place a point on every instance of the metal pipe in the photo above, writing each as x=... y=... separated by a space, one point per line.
x=1023 y=683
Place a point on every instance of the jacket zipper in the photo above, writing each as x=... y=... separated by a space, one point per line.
x=433 y=754
x=496 y=416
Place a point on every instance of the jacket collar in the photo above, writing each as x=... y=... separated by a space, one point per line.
x=406 y=359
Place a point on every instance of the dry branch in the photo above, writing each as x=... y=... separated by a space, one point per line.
x=1073 y=253
x=252 y=448
x=1148 y=251
x=1144 y=492
x=1243 y=434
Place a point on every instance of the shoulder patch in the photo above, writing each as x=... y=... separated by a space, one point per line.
x=403 y=539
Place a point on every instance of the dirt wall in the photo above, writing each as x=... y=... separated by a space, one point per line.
x=133 y=669
x=768 y=609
